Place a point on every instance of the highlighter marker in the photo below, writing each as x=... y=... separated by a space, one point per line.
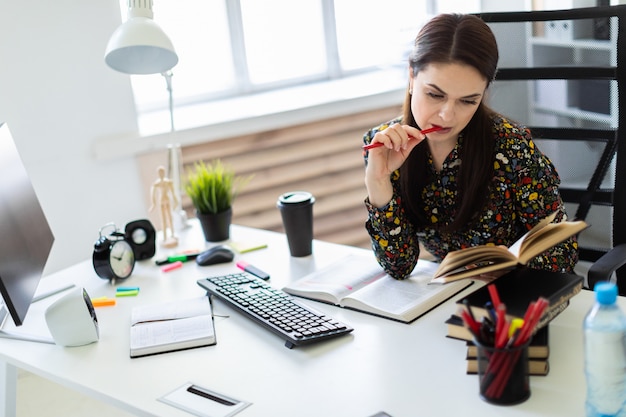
x=102 y=302
x=119 y=289
x=176 y=258
x=130 y=293
x=183 y=257
x=253 y=270
x=172 y=266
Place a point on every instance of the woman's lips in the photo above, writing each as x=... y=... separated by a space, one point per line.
x=442 y=130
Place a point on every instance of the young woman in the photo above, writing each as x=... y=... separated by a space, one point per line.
x=478 y=180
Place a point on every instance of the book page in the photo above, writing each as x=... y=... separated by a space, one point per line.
x=549 y=236
x=474 y=272
x=336 y=281
x=474 y=258
x=521 y=243
x=167 y=332
x=404 y=299
x=173 y=310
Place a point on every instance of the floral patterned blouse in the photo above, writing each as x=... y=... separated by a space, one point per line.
x=524 y=190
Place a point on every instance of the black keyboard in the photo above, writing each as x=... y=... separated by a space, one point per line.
x=274 y=309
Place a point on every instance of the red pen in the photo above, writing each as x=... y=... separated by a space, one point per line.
x=424 y=132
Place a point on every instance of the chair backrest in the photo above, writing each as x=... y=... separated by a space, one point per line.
x=561 y=73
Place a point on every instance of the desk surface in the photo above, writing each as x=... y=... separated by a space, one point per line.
x=404 y=370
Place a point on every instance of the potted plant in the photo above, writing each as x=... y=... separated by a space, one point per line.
x=212 y=187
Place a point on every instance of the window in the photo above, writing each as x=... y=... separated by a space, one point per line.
x=232 y=48
x=283 y=40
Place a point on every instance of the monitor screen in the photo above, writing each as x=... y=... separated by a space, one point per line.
x=25 y=236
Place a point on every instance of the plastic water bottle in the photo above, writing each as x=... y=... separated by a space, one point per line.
x=605 y=354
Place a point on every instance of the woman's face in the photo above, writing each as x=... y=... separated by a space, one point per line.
x=446 y=95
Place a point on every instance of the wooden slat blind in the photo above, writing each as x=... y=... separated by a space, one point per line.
x=323 y=158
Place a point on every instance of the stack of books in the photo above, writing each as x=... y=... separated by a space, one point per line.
x=517 y=289
x=538 y=350
x=538 y=353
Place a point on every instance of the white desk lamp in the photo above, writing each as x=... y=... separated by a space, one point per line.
x=140 y=46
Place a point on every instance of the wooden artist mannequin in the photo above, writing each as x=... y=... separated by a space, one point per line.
x=162 y=190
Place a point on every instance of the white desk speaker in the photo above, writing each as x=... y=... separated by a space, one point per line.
x=72 y=319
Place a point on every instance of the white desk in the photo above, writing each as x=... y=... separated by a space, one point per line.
x=404 y=370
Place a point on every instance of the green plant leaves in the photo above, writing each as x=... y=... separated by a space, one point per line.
x=212 y=186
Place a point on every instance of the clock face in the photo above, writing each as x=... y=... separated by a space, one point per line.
x=122 y=259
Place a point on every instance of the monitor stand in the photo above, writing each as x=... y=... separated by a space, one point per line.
x=5 y=334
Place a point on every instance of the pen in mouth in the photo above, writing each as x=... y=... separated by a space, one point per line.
x=425 y=132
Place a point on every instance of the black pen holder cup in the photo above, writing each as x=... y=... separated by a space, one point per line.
x=296 y=210
x=503 y=374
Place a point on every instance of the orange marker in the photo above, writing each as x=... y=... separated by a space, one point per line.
x=103 y=302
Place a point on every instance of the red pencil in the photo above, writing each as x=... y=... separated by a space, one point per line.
x=379 y=144
x=493 y=293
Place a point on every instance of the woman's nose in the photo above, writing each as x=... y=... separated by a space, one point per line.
x=446 y=112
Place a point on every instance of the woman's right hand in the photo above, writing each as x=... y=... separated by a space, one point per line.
x=398 y=142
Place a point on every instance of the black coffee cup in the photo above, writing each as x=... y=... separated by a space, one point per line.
x=296 y=209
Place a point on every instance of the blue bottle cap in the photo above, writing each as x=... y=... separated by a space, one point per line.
x=606 y=292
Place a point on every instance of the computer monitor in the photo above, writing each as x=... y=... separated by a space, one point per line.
x=25 y=235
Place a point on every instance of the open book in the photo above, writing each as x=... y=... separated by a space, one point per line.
x=359 y=283
x=478 y=260
x=166 y=327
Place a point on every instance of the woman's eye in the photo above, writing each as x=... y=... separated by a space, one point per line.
x=433 y=95
x=470 y=102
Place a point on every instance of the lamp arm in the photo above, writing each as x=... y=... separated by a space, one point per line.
x=168 y=80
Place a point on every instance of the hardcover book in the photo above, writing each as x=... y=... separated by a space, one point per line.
x=539 y=347
x=538 y=353
x=521 y=286
x=536 y=367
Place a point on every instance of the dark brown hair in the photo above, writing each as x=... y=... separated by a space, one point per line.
x=464 y=39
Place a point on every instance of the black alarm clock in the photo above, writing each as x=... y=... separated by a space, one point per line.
x=113 y=257
x=141 y=235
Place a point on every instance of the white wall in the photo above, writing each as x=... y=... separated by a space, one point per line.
x=57 y=97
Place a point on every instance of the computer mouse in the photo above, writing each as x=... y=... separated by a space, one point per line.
x=215 y=255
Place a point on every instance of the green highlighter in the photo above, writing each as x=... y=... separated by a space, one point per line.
x=127 y=291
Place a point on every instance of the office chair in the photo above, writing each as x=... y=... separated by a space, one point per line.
x=565 y=81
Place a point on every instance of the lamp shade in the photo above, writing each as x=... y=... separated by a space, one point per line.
x=139 y=45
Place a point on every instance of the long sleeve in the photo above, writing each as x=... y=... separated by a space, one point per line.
x=537 y=195
x=394 y=240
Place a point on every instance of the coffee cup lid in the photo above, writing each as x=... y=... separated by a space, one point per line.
x=296 y=197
